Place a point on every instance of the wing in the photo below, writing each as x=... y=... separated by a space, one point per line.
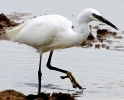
x=42 y=30
x=38 y=32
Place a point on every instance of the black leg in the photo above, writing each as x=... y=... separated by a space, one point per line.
x=69 y=74
x=54 y=68
x=39 y=76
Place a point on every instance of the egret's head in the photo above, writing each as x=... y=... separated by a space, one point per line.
x=92 y=15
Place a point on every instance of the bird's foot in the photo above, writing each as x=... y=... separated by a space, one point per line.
x=72 y=79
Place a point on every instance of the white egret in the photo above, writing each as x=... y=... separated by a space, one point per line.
x=50 y=32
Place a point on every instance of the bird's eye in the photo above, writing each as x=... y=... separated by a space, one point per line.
x=94 y=15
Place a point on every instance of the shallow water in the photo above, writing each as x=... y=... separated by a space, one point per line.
x=99 y=71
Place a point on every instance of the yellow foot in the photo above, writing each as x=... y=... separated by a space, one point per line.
x=72 y=79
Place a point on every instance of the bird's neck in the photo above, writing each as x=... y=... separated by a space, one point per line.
x=82 y=22
x=83 y=28
x=82 y=31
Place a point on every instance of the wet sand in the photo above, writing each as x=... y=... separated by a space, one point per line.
x=15 y=95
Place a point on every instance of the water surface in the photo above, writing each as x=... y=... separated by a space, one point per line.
x=100 y=71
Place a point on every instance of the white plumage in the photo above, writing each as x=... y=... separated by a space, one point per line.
x=49 y=32
x=44 y=33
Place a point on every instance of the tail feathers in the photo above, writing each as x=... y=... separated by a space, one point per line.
x=12 y=33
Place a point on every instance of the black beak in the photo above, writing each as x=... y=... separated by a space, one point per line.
x=105 y=21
